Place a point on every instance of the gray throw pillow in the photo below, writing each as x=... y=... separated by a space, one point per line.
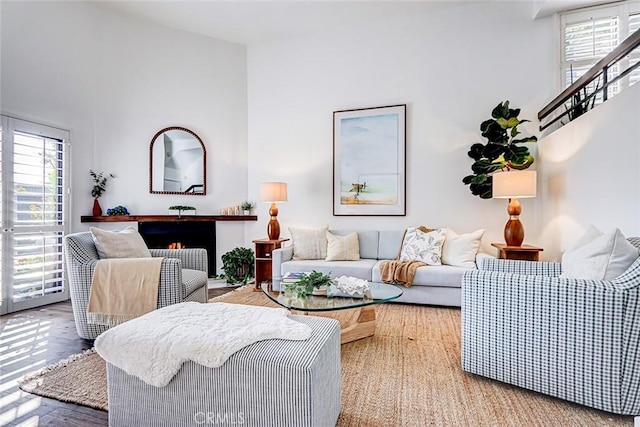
x=127 y=243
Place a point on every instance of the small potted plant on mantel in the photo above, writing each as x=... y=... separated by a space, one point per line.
x=181 y=208
x=247 y=206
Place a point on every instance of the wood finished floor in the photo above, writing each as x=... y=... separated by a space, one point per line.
x=30 y=340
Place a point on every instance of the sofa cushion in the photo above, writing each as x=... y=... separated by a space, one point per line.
x=127 y=243
x=361 y=269
x=342 y=248
x=430 y=275
x=389 y=244
x=367 y=241
x=599 y=256
x=309 y=243
x=426 y=247
x=461 y=249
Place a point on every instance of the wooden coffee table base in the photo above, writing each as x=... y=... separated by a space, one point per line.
x=364 y=326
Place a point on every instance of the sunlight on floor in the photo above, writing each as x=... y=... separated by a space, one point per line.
x=23 y=344
x=24 y=409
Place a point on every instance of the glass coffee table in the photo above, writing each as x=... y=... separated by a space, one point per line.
x=365 y=324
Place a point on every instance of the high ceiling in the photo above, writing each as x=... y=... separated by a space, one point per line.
x=249 y=22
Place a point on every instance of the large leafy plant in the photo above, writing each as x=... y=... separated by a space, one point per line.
x=503 y=150
x=237 y=265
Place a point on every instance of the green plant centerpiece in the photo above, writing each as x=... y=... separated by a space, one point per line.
x=238 y=266
x=305 y=286
x=503 y=149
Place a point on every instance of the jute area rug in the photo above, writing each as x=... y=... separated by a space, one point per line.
x=407 y=374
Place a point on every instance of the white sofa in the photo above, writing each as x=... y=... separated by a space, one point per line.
x=434 y=285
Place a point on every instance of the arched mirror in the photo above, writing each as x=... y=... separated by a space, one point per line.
x=177 y=163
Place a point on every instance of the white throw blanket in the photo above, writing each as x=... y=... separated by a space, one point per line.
x=154 y=346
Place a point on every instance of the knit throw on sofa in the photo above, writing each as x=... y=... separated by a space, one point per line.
x=401 y=272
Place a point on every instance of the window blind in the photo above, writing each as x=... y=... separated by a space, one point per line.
x=634 y=57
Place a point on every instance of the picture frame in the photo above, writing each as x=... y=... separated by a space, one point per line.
x=369 y=161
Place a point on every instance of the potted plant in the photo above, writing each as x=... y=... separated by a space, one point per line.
x=247 y=206
x=181 y=208
x=238 y=265
x=309 y=283
x=502 y=150
x=99 y=187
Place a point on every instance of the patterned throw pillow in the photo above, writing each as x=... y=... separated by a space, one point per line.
x=309 y=243
x=420 y=246
x=127 y=243
x=343 y=248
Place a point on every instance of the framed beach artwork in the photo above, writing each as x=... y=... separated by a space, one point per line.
x=369 y=147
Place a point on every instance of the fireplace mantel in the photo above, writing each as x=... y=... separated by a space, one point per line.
x=167 y=218
x=191 y=230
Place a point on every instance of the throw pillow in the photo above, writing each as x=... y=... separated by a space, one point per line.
x=343 y=248
x=460 y=250
x=127 y=243
x=420 y=246
x=309 y=243
x=599 y=256
x=589 y=236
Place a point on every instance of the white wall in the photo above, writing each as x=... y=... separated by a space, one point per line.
x=589 y=174
x=451 y=67
x=115 y=81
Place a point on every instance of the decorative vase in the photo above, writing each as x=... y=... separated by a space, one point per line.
x=97 y=210
x=322 y=290
x=247 y=212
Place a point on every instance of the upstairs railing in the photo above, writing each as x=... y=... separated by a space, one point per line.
x=598 y=71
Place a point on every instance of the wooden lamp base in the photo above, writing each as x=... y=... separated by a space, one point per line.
x=273 y=228
x=513 y=230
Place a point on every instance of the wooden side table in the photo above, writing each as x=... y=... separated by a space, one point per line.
x=524 y=252
x=264 y=248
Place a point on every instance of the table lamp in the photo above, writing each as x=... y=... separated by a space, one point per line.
x=273 y=192
x=511 y=185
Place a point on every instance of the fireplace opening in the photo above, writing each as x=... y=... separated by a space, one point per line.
x=180 y=235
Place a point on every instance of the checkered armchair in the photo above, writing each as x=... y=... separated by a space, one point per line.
x=578 y=340
x=183 y=277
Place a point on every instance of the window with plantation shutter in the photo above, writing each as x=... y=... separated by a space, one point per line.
x=585 y=43
x=589 y=35
x=590 y=40
x=34 y=211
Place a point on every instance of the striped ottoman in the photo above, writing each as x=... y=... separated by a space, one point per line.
x=269 y=383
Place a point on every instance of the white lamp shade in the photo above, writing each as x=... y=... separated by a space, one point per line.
x=273 y=192
x=514 y=184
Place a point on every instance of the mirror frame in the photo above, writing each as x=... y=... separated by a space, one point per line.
x=204 y=163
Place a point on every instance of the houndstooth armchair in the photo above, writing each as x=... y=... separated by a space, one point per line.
x=578 y=340
x=183 y=277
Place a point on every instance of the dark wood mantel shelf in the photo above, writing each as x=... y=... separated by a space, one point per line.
x=167 y=218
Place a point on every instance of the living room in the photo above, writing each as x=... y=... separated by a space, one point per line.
x=262 y=103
